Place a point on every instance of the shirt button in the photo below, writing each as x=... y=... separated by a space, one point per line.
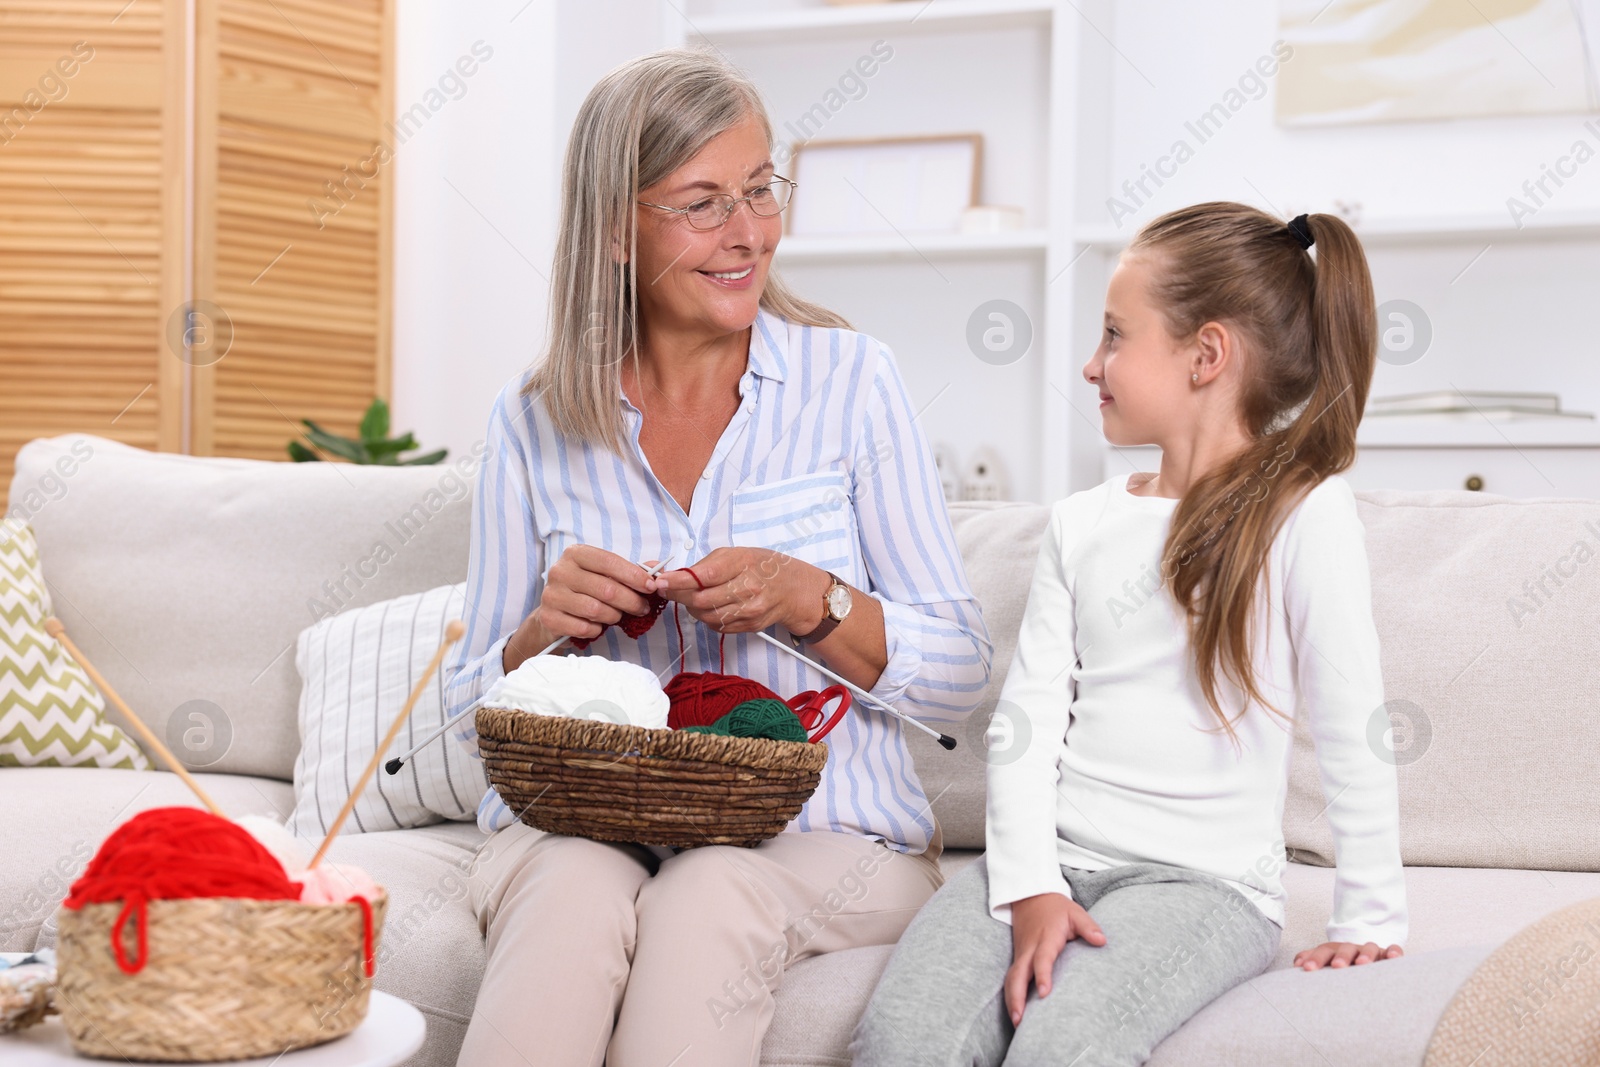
x=689 y=543
x=705 y=475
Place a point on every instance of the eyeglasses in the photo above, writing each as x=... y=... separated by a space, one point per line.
x=712 y=211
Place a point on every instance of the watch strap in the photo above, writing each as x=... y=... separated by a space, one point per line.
x=829 y=623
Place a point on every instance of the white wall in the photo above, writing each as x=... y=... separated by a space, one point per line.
x=472 y=233
x=1178 y=59
x=477 y=192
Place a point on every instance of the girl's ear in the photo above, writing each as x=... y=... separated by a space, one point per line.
x=1215 y=346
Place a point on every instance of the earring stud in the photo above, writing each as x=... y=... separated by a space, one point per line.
x=1196 y=377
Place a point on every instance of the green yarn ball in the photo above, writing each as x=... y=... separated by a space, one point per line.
x=765 y=717
x=761 y=717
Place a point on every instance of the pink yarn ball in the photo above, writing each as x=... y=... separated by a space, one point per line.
x=334 y=883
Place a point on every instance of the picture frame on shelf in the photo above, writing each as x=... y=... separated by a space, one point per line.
x=912 y=184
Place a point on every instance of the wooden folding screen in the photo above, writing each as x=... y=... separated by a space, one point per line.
x=193 y=256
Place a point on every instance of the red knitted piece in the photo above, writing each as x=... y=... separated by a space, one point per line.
x=175 y=854
x=635 y=626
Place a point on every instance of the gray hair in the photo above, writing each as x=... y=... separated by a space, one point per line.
x=639 y=123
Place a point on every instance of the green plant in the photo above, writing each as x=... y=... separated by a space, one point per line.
x=374 y=446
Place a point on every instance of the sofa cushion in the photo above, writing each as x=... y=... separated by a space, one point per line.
x=358 y=669
x=1375 y=1015
x=999 y=542
x=1457 y=916
x=1450 y=907
x=1488 y=615
x=1372 y=1015
x=185 y=580
x=51 y=713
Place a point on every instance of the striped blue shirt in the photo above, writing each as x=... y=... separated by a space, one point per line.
x=823 y=461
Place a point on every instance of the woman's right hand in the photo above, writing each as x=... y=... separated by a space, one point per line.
x=586 y=589
x=1041 y=926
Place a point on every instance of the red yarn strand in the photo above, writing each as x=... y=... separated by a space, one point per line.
x=135 y=908
x=366 y=933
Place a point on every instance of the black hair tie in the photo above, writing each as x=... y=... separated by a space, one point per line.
x=1301 y=230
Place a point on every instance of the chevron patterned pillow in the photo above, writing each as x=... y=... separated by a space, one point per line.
x=51 y=715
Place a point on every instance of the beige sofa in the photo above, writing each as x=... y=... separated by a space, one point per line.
x=185 y=578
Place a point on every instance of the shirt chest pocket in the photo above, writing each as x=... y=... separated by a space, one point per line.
x=810 y=517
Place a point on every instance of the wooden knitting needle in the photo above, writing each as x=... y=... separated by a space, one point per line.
x=452 y=634
x=55 y=629
x=394 y=766
x=944 y=739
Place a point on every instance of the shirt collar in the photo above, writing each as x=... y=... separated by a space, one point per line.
x=767 y=336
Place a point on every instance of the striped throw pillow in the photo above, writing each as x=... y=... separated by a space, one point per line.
x=51 y=714
x=357 y=668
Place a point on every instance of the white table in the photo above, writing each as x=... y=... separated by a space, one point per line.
x=389 y=1034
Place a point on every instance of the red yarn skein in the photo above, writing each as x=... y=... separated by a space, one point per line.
x=174 y=854
x=702 y=699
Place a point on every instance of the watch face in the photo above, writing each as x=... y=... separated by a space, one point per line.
x=839 y=601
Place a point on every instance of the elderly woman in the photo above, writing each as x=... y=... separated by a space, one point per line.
x=689 y=406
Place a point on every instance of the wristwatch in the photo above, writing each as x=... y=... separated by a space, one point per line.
x=835 y=606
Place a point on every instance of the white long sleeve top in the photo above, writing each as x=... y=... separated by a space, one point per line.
x=1108 y=761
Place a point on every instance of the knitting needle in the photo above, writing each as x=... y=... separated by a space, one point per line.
x=394 y=765
x=944 y=739
x=452 y=634
x=55 y=629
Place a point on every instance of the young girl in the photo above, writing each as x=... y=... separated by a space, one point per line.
x=1175 y=622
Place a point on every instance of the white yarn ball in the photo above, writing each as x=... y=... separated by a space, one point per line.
x=583 y=687
x=276 y=839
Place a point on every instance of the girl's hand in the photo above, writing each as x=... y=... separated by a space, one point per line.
x=748 y=589
x=1041 y=926
x=1343 y=954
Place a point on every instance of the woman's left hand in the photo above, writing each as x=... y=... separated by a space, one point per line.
x=1344 y=954
x=748 y=589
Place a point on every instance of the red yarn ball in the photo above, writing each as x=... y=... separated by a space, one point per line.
x=702 y=699
x=173 y=854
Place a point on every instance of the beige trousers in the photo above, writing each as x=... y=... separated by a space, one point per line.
x=601 y=954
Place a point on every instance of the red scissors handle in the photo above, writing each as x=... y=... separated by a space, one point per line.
x=810 y=705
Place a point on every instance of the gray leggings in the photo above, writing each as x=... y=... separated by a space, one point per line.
x=1176 y=939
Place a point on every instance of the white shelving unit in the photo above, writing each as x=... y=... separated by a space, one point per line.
x=1396 y=232
x=728 y=27
x=1007 y=69
x=807 y=249
x=1038 y=79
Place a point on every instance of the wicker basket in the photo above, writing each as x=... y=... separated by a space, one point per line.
x=615 y=782
x=223 y=978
